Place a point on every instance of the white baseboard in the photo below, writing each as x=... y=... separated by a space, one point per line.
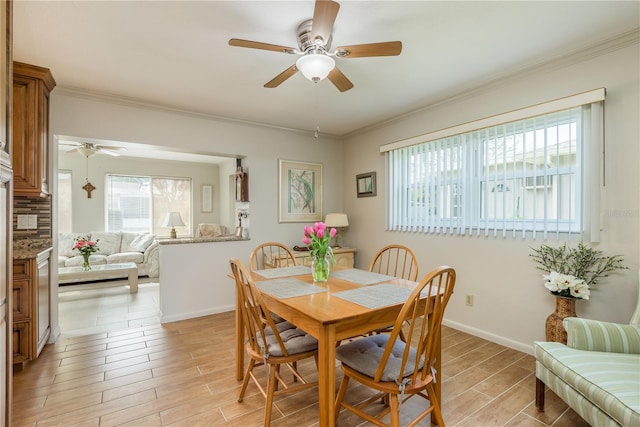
x=516 y=345
x=194 y=314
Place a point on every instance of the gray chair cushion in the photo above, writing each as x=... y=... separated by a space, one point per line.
x=295 y=341
x=364 y=354
x=282 y=326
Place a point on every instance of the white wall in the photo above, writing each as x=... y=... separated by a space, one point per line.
x=89 y=213
x=511 y=304
x=81 y=116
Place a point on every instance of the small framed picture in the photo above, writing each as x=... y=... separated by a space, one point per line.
x=366 y=184
x=207 y=198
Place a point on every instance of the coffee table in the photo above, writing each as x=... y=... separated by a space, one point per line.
x=102 y=272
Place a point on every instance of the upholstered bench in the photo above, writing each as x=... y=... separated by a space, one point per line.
x=597 y=373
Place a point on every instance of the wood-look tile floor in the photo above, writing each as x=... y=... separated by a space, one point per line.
x=116 y=365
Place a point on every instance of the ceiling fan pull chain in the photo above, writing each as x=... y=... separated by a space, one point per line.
x=315 y=107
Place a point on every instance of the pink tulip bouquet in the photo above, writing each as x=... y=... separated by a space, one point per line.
x=317 y=240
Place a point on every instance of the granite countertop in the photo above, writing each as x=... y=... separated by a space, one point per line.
x=30 y=248
x=229 y=238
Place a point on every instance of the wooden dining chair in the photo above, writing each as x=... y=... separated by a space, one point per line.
x=271 y=255
x=397 y=261
x=269 y=344
x=400 y=370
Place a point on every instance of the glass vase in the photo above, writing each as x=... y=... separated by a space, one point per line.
x=320 y=269
x=85 y=263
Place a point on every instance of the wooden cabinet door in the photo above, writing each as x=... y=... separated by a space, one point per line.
x=21 y=339
x=30 y=152
x=25 y=147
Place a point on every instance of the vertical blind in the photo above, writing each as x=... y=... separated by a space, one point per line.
x=533 y=176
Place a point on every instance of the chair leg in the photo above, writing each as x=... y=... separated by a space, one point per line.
x=271 y=388
x=341 y=391
x=433 y=400
x=394 y=408
x=245 y=381
x=539 y=395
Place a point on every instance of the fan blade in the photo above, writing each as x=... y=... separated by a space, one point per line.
x=109 y=152
x=264 y=46
x=369 y=49
x=339 y=80
x=277 y=80
x=324 y=15
x=110 y=147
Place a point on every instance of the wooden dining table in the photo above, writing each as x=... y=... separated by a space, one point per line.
x=329 y=318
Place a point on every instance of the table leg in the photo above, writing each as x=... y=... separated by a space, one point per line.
x=327 y=375
x=239 y=341
x=133 y=280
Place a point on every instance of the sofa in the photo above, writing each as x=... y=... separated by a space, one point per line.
x=597 y=373
x=113 y=248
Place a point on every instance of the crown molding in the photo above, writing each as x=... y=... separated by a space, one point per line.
x=138 y=103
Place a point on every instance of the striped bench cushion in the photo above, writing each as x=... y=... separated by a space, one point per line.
x=611 y=381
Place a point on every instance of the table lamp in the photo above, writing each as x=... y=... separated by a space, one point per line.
x=173 y=220
x=339 y=221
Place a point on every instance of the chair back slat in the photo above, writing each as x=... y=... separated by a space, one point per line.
x=397 y=261
x=254 y=311
x=425 y=318
x=271 y=255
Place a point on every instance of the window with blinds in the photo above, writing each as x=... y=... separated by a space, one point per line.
x=65 y=202
x=524 y=177
x=140 y=203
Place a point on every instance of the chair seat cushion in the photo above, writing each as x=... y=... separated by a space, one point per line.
x=294 y=339
x=608 y=380
x=364 y=354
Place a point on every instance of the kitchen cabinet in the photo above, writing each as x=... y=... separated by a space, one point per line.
x=31 y=146
x=31 y=305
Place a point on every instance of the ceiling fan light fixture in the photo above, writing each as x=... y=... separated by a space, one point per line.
x=86 y=151
x=315 y=66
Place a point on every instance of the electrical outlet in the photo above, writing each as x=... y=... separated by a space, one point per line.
x=32 y=222
x=469 y=300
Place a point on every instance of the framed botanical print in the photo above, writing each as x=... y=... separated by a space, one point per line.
x=207 y=198
x=299 y=191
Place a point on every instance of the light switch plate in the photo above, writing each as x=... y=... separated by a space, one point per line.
x=23 y=222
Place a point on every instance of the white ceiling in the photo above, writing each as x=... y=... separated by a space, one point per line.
x=176 y=53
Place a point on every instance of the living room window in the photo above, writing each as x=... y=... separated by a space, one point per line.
x=513 y=178
x=140 y=203
x=65 y=207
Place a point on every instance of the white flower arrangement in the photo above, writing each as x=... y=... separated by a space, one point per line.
x=566 y=285
x=574 y=270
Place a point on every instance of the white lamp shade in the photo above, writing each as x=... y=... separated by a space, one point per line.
x=315 y=66
x=173 y=219
x=336 y=220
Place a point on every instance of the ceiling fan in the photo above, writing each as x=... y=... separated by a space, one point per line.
x=314 y=44
x=88 y=149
